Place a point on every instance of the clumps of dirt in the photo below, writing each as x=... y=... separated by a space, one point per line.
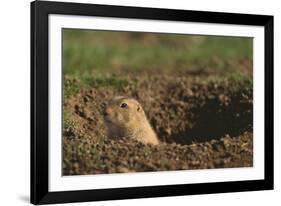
x=202 y=122
x=85 y=156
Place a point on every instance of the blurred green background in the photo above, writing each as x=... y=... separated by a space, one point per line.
x=95 y=54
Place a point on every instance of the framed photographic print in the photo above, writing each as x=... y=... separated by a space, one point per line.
x=131 y=102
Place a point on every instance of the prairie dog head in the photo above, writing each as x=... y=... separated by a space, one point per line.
x=124 y=117
x=123 y=112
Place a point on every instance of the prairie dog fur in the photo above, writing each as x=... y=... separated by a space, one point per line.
x=125 y=118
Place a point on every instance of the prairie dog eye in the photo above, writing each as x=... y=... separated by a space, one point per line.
x=123 y=105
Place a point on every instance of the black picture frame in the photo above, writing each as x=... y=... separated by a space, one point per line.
x=39 y=101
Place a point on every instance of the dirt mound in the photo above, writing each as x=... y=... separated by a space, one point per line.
x=202 y=122
x=83 y=156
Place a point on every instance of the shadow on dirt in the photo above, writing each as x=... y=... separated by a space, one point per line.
x=214 y=120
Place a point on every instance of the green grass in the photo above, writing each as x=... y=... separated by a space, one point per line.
x=92 y=55
x=103 y=82
x=68 y=123
x=70 y=87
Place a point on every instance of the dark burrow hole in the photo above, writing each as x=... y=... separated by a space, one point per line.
x=214 y=120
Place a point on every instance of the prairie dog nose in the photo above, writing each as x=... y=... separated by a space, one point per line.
x=106 y=111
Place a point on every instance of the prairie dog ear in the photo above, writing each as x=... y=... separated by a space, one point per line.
x=139 y=108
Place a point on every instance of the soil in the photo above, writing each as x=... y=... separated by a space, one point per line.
x=202 y=123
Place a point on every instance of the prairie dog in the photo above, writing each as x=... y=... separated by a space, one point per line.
x=125 y=118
